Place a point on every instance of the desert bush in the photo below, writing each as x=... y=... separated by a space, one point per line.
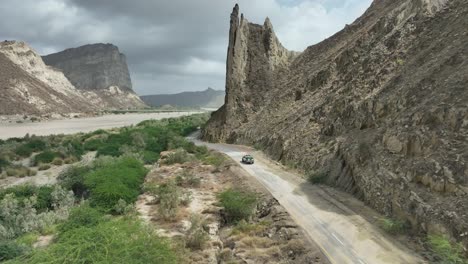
x=168 y=195
x=317 y=177
x=186 y=199
x=32 y=145
x=19 y=171
x=149 y=157
x=70 y=160
x=23 y=151
x=57 y=162
x=215 y=159
x=43 y=167
x=82 y=216
x=196 y=236
x=450 y=253
x=179 y=156
x=73 y=148
x=93 y=144
x=392 y=226
x=72 y=178
x=112 y=150
x=43 y=195
x=3 y=163
x=121 y=179
x=46 y=157
x=20 y=216
x=10 y=249
x=187 y=179
x=238 y=205
x=124 y=240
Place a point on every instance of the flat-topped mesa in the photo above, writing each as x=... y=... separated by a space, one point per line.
x=254 y=53
x=93 y=67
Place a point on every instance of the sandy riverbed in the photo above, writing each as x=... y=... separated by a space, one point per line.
x=88 y=124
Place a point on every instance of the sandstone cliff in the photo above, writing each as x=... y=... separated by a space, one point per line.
x=100 y=69
x=380 y=107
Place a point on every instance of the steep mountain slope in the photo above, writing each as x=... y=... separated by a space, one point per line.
x=209 y=98
x=28 y=86
x=380 y=107
x=100 y=69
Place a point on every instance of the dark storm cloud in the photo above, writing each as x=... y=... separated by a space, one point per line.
x=171 y=46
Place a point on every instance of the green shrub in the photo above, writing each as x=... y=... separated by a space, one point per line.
x=10 y=249
x=82 y=216
x=196 y=236
x=450 y=253
x=43 y=195
x=215 y=159
x=119 y=241
x=392 y=226
x=93 y=144
x=73 y=148
x=57 y=162
x=36 y=144
x=238 y=205
x=179 y=156
x=120 y=180
x=19 y=171
x=109 y=150
x=169 y=199
x=46 y=157
x=72 y=178
x=149 y=157
x=43 y=167
x=317 y=177
x=23 y=151
x=3 y=163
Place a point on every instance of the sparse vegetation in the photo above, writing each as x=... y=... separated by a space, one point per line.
x=179 y=156
x=169 y=200
x=392 y=226
x=450 y=253
x=46 y=157
x=238 y=205
x=196 y=235
x=111 y=184
x=123 y=240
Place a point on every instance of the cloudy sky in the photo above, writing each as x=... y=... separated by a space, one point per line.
x=171 y=45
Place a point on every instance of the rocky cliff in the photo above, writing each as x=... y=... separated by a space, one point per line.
x=98 y=68
x=380 y=108
x=28 y=86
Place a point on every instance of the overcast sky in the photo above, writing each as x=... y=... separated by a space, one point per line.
x=171 y=45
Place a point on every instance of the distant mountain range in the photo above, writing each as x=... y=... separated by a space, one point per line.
x=208 y=98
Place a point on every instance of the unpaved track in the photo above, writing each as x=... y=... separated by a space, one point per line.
x=343 y=235
x=87 y=124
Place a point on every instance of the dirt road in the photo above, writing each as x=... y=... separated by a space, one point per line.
x=71 y=126
x=343 y=235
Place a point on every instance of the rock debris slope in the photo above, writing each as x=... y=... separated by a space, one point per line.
x=381 y=107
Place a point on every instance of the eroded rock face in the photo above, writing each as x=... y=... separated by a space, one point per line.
x=92 y=67
x=381 y=107
x=99 y=68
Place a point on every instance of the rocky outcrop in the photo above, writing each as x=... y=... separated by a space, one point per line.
x=100 y=69
x=380 y=107
x=209 y=98
x=28 y=86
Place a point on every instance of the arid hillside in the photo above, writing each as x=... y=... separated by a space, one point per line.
x=29 y=86
x=379 y=109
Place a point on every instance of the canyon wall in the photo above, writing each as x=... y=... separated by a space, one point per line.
x=380 y=108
